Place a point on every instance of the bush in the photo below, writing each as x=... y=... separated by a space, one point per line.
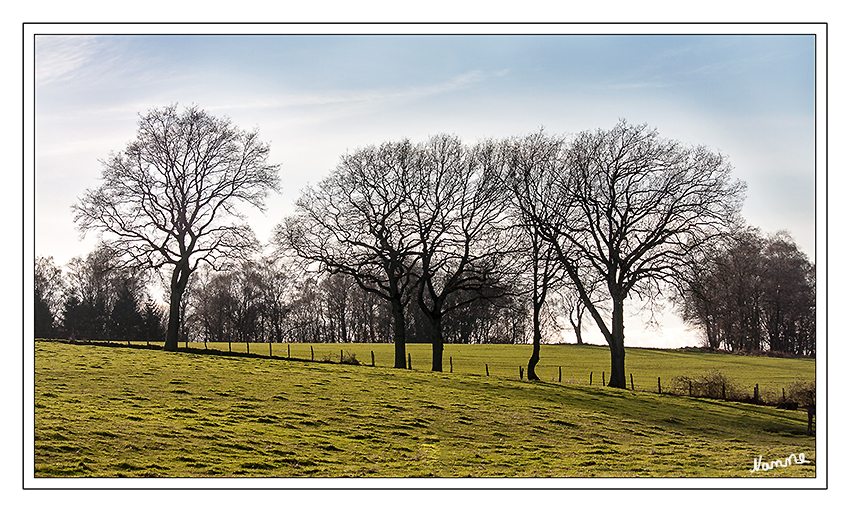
x=348 y=358
x=802 y=393
x=712 y=385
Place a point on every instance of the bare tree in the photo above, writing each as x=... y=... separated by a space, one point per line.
x=465 y=241
x=789 y=308
x=529 y=156
x=211 y=303
x=629 y=209
x=721 y=292
x=90 y=294
x=48 y=287
x=246 y=314
x=165 y=199
x=575 y=309
x=307 y=323
x=356 y=223
x=336 y=292
x=277 y=281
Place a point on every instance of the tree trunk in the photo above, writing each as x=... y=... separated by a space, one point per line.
x=179 y=279
x=579 y=309
x=535 y=353
x=343 y=327
x=398 y=332
x=577 y=329
x=436 y=343
x=617 y=346
x=711 y=335
x=173 y=321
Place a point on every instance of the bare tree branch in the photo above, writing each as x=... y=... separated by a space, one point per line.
x=164 y=200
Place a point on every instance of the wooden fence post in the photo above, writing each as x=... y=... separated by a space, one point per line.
x=373 y=357
x=659 y=385
x=783 y=395
x=633 y=381
x=811 y=411
x=451 y=368
x=520 y=373
x=591 y=378
x=409 y=364
x=559 y=374
x=340 y=355
x=603 y=378
x=289 y=354
x=270 y=347
x=311 y=353
x=690 y=389
x=486 y=369
x=756 y=394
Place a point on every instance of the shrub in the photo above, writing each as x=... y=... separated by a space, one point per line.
x=348 y=358
x=802 y=393
x=712 y=385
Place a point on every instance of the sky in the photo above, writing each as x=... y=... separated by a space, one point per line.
x=316 y=97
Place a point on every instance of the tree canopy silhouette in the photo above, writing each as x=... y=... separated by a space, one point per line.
x=626 y=212
x=170 y=198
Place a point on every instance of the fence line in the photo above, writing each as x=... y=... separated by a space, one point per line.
x=756 y=397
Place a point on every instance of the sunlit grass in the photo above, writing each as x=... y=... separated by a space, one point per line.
x=574 y=363
x=118 y=412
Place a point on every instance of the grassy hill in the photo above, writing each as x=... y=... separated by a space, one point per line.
x=575 y=362
x=106 y=412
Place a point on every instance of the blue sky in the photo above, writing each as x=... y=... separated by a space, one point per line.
x=316 y=97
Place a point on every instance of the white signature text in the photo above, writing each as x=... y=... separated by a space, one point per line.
x=758 y=465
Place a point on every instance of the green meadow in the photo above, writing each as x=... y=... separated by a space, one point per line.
x=111 y=411
x=575 y=362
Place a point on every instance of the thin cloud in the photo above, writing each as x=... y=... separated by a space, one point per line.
x=57 y=57
x=94 y=62
x=643 y=85
x=369 y=97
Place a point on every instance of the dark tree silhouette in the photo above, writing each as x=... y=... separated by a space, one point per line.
x=628 y=209
x=126 y=322
x=753 y=293
x=153 y=322
x=465 y=240
x=533 y=154
x=91 y=290
x=48 y=288
x=165 y=199
x=357 y=223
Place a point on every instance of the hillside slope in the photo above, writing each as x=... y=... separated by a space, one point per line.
x=121 y=412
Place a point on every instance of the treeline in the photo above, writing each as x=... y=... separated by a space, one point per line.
x=269 y=300
x=95 y=298
x=258 y=301
x=756 y=294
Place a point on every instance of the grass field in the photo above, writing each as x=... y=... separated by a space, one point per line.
x=575 y=361
x=107 y=412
